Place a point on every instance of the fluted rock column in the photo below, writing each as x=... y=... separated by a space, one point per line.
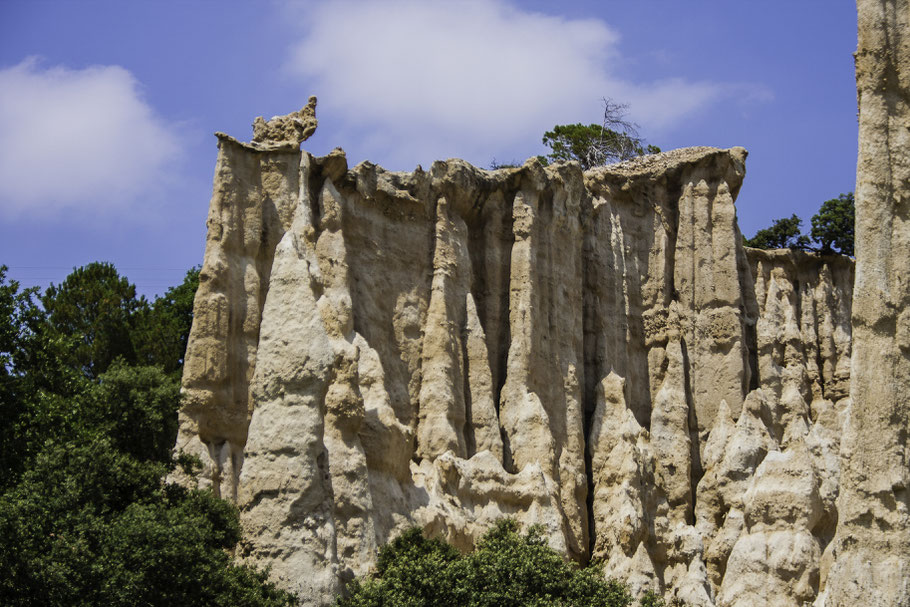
x=872 y=550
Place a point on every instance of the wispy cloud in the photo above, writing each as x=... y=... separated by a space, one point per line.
x=81 y=140
x=413 y=80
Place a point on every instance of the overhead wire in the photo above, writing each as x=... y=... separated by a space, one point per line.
x=148 y=280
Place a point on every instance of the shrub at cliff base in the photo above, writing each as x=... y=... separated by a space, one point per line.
x=507 y=569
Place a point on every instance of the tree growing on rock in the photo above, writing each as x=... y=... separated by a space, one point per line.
x=833 y=225
x=614 y=140
x=784 y=233
x=832 y=230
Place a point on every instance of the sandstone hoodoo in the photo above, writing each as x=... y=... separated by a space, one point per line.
x=592 y=351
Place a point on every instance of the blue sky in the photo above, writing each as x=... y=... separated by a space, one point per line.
x=107 y=109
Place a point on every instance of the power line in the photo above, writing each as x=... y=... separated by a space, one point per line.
x=72 y=267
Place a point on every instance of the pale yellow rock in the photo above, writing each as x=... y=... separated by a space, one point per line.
x=620 y=477
x=731 y=459
x=290 y=130
x=871 y=553
x=459 y=500
x=484 y=433
x=776 y=558
x=442 y=414
x=670 y=444
x=594 y=352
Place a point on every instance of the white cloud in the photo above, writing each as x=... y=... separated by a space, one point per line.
x=78 y=140
x=416 y=79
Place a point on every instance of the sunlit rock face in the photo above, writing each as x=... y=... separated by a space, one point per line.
x=871 y=553
x=594 y=352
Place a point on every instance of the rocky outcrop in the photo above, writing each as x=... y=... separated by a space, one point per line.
x=871 y=555
x=286 y=131
x=594 y=352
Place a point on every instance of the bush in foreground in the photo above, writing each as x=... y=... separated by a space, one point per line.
x=507 y=569
x=89 y=525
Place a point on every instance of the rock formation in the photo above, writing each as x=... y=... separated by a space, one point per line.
x=591 y=351
x=871 y=556
x=286 y=131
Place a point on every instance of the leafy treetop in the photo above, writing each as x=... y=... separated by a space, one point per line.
x=832 y=230
x=98 y=313
x=164 y=326
x=89 y=525
x=95 y=308
x=783 y=234
x=833 y=225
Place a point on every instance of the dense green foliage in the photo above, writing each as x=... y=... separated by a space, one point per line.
x=165 y=325
x=37 y=388
x=832 y=230
x=506 y=569
x=833 y=225
x=85 y=442
x=136 y=408
x=89 y=525
x=96 y=310
x=60 y=381
x=783 y=234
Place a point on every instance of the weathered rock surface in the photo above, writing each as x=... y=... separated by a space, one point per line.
x=871 y=551
x=286 y=131
x=595 y=352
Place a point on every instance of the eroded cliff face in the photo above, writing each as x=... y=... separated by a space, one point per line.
x=594 y=352
x=872 y=548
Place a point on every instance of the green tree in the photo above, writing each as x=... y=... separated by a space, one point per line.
x=783 y=234
x=36 y=383
x=31 y=355
x=46 y=393
x=136 y=408
x=614 y=140
x=89 y=525
x=96 y=309
x=833 y=225
x=84 y=444
x=20 y=319
x=164 y=327
x=832 y=230
x=506 y=569
x=45 y=396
